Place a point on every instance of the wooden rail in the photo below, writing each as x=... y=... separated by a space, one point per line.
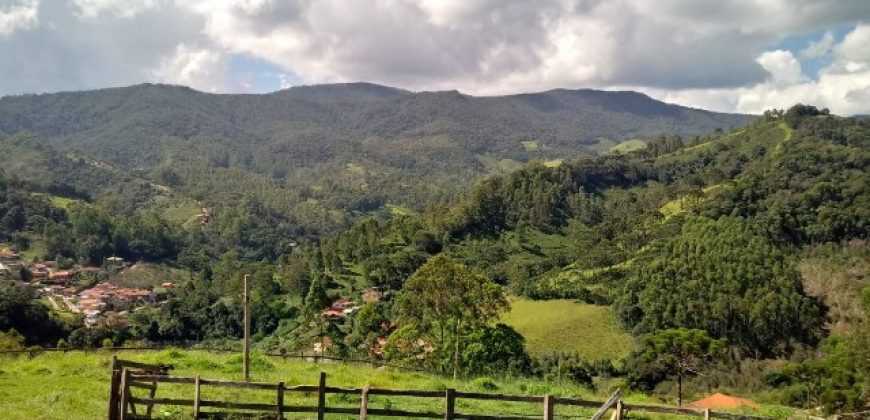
x=128 y=380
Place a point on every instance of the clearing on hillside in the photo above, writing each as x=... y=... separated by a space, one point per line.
x=628 y=146
x=552 y=326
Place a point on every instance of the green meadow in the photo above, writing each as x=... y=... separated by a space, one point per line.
x=75 y=386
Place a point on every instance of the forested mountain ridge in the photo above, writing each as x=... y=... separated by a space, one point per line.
x=327 y=152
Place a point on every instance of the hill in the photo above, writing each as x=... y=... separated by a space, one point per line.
x=325 y=152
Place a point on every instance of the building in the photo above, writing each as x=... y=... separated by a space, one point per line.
x=62 y=276
x=4 y=270
x=106 y=296
x=39 y=271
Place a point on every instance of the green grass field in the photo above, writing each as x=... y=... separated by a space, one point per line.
x=628 y=146
x=72 y=386
x=567 y=326
x=75 y=386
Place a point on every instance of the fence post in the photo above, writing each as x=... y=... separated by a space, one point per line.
x=364 y=404
x=321 y=397
x=619 y=410
x=280 y=402
x=449 y=404
x=548 y=407
x=706 y=414
x=113 y=390
x=196 y=397
x=124 y=396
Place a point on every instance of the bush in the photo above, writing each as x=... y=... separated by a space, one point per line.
x=484 y=384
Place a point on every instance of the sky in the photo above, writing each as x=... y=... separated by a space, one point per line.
x=724 y=55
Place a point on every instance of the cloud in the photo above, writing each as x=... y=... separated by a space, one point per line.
x=21 y=16
x=198 y=68
x=712 y=53
x=819 y=48
x=122 y=8
x=843 y=86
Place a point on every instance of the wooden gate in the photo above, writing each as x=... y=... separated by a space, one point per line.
x=117 y=387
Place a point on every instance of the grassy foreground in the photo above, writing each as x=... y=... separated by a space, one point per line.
x=74 y=385
x=567 y=326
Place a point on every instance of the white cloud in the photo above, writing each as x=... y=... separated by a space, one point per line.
x=20 y=16
x=198 y=68
x=783 y=67
x=843 y=86
x=819 y=48
x=711 y=53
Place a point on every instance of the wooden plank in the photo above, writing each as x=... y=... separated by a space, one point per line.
x=239 y=406
x=364 y=404
x=234 y=384
x=574 y=402
x=162 y=401
x=321 y=396
x=124 y=394
x=280 y=400
x=548 y=407
x=607 y=404
x=151 y=393
x=163 y=378
x=500 y=397
x=113 y=390
x=406 y=392
x=301 y=388
x=401 y=413
x=449 y=404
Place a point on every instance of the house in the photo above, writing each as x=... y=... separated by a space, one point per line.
x=107 y=296
x=115 y=262
x=62 y=276
x=342 y=304
x=39 y=271
x=332 y=313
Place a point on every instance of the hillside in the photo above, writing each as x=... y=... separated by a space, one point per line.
x=714 y=243
x=325 y=153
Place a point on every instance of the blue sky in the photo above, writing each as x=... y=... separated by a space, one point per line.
x=798 y=43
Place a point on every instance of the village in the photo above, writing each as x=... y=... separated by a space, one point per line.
x=75 y=289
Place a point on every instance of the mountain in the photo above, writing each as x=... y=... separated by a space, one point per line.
x=341 y=148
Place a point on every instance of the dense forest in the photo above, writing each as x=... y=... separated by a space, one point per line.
x=323 y=154
x=749 y=247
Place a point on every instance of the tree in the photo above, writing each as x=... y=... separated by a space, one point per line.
x=442 y=294
x=726 y=277
x=11 y=340
x=677 y=353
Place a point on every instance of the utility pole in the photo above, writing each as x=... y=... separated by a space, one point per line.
x=246 y=357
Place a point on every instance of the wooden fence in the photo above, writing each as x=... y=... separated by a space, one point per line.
x=145 y=377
